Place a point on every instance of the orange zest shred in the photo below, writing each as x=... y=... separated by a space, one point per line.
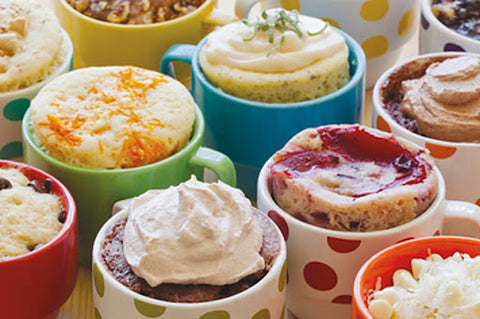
x=141 y=149
x=56 y=125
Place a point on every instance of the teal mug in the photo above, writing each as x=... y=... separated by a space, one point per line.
x=96 y=190
x=249 y=132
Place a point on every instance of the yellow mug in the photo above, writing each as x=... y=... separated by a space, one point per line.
x=98 y=43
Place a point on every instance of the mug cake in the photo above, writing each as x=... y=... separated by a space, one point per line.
x=280 y=57
x=112 y=117
x=352 y=178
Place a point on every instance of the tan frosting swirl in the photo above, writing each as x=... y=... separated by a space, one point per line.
x=445 y=102
x=227 y=46
x=195 y=233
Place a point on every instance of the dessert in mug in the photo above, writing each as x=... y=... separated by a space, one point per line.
x=434 y=288
x=112 y=117
x=352 y=178
x=462 y=16
x=281 y=57
x=438 y=97
x=191 y=243
x=135 y=11
x=32 y=44
x=30 y=214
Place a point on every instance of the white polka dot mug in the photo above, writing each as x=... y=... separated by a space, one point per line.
x=14 y=104
x=458 y=161
x=436 y=37
x=112 y=300
x=322 y=263
x=382 y=27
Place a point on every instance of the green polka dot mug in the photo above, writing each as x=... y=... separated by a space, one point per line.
x=13 y=106
x=382 y=27
x=112 y=300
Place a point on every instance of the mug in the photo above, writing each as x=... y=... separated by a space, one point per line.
x=14 y=104
x=99 y=43
x=265 y=299
x=37 y=284
x=322 y=263
x=384 y=263
x=382 y=27
x=456 y=160
x=436 y=37
x=249 y=131
x=96 y=190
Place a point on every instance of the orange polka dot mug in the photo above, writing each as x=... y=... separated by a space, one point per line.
x=382 y=27
x=112 y=300
x=458 y=161
x=322 y=263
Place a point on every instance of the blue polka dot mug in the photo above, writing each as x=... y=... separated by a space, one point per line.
x=13 y=106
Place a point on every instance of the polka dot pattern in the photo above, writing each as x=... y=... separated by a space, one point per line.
x=11 y=150
x=14 y=110
x=374 y=10
x=382 y=125
x=437 y=233
x=281 y=223
x=406 y=23
x=262 y=314
x=405 y=239
x=218 y=314
x=375 y=46
x=343 y=299
x=320 y=276
x=149 y=310
x=478 y=202
x=282 y=280
x=440 y=151
x=340 y=245
x=97 y=314
x=98 y=280
x=425 y=23
x=453 y=47
x=332 y=22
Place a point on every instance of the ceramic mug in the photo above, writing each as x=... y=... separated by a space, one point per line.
x=382 y=27
x=458 y=161
x=322 y=263
x=96 y=190
x=249 y=131
x=384 y=263
x=265 y=299
x=436 y=37
x=100 y=43
x=37 y=284
x=14 y=104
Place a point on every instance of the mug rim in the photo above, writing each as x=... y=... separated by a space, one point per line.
x=358 y=301
x=428 y=14
x=377 y=103
x=263 y=192
x=66 y=199
x=62 y=68
x=96 y=260
x=356 y=78
x=194 y=141
x=204 y=6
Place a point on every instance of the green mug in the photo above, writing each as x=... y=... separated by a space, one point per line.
x=96 y=190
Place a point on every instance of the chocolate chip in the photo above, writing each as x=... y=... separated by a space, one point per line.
x=62 y=217
x=5 y=183
x=33 y=247
x=41 y=187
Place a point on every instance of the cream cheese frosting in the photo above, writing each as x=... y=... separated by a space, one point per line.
x=445 y=102
x=198 y=233
x=238 y=45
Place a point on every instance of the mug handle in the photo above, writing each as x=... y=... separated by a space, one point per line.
x=242 y=7
x=217 y=162
x=177 y=52
x=463 y=211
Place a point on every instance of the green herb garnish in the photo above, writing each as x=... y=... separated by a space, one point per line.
x=281 y=20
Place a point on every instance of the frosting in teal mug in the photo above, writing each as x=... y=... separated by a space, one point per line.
x=96 y=190
x=249 y=132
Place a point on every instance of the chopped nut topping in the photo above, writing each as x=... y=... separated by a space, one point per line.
x=120 y=13
x=8 y=43
x=18 y=25
x=80 y=5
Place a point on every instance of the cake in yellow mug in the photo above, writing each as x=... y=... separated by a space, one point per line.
x=112 y=117
x=280 y=57
x=32 y=44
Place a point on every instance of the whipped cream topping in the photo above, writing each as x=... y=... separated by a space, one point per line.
x=195 y=233
x=238 y=45
x=445 y=102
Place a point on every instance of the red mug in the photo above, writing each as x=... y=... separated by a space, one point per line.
x=37 y=284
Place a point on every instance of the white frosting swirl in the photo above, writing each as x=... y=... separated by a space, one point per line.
x=227 y=46
x=195 y=233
